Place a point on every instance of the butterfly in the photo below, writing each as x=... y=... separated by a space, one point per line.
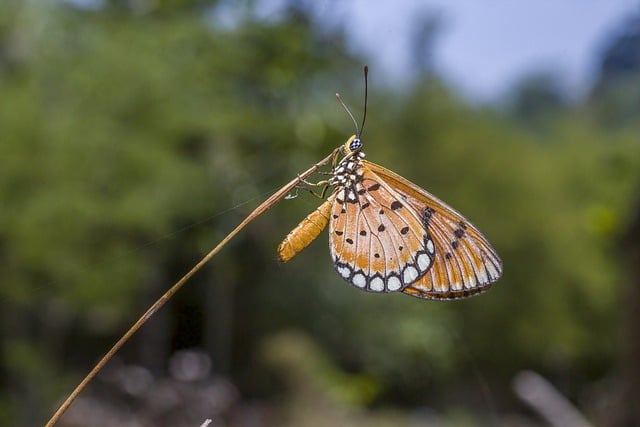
x=386 y=234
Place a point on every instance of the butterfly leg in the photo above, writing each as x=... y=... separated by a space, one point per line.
x=320 y=195
x=292 y=195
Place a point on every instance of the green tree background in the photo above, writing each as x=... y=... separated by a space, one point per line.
x=132 y=140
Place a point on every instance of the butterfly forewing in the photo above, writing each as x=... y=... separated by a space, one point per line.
x=465 y=263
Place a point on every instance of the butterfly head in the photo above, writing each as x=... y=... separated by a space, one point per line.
x=353 y=145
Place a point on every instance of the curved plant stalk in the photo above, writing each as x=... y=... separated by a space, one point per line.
x=276 y=197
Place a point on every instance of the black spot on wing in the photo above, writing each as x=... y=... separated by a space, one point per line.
x=426 y=216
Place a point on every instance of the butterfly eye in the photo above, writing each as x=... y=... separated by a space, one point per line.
x=355 y=145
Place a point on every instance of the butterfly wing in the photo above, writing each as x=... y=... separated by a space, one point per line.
x=378 y=242
x=464 y=263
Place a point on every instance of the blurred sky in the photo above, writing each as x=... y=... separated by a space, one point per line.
x=483 y=47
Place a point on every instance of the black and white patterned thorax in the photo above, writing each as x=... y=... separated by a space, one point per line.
x=348 y=175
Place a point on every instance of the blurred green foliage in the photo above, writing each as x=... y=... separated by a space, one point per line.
x=131 y=143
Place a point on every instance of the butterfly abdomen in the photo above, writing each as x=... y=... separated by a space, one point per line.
x=305 y=232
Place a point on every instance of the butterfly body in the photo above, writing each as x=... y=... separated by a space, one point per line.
x=386 y=234
x=305 y=232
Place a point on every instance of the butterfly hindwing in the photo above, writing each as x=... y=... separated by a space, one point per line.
x=465 y=263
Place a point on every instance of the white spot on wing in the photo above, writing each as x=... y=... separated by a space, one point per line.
x=344 y=271
x=430 y=247
x=423 y=262
x=410 y=274
x=377 y=284
x=359 y=280
x=394 y=283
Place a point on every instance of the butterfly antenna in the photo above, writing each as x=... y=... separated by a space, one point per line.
x=348 y=112
x=366 y=91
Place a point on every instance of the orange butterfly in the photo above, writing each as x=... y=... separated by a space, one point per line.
x=386 y=234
